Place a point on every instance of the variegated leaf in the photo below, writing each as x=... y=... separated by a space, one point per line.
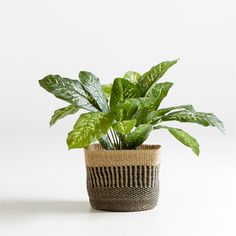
x=202 y=118
x=154 y=117
x=124 y=127
x=106 y=88
x=153 y=75
x=163 y=111
x=145 y=107
x=68 y=90
x=151 y=102
x=88 y=128
x=121 y=90
x=92 y=87
x=128 y=107
x=157 y=93
x=132 y=76
x=137 y=137
x=62 y=112
x=183 y=137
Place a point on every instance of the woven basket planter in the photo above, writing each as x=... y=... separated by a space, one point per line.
x=123 y=180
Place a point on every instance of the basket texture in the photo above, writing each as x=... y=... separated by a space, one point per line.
x=123 y=180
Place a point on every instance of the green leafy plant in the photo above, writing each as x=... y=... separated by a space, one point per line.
x=122 y=115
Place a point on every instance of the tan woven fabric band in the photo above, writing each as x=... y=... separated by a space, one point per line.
x=145 y=155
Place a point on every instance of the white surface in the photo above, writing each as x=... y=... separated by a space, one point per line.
x=42 y=185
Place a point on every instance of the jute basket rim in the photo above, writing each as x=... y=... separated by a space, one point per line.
x=145 y=147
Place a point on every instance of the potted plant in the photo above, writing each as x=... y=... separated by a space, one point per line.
x=122 y=172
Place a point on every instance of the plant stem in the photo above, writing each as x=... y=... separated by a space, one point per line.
x=111 y=141
x=121 y=141
x=114 y=139
x=117 y=139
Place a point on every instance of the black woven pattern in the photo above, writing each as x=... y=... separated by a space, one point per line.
x=123 y=199
x=123 y=176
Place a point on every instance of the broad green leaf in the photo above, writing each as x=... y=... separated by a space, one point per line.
x=92 y=100
x=144 y=108
x=132 y=76
x=163 y=111
x=202 y=118
x=106 y=88
x=151 y=102
x=137 y=137
x=158 y=92
x=183 y=137
x=153 y=75
x=124 y=127
x=68 y=90
x=128 y=107
x=91 y=85
x=121 y=90
x=62 y=112
x=154 y=117
x=88 y=128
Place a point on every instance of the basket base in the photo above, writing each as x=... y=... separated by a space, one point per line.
x=123 y=199
x=123 y=206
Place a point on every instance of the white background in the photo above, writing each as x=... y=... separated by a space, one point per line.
x=42 y=185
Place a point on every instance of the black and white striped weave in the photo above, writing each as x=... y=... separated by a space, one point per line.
x=123 y=176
